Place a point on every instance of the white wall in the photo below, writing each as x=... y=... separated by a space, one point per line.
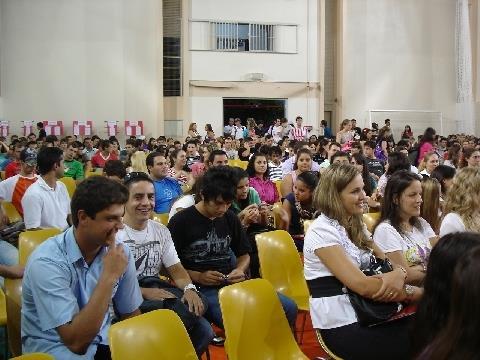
x=234 y=66
x=79 y=59
x=399 y=54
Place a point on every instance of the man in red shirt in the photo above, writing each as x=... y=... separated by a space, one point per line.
x=14 y=188
x=13 y=168
x=105 y=154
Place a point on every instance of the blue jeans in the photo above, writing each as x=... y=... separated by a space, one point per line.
x=8 y=256
x=214 y=314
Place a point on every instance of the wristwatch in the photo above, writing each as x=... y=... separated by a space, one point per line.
x=190 y=287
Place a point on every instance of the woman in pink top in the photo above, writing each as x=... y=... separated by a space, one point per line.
x=258 y=172
x=426 y=144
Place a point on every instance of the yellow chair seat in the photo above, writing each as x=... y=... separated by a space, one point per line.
x=13 y=292
x=155 y=335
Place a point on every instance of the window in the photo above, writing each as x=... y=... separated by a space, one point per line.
x=239 y=37
x=172 y=49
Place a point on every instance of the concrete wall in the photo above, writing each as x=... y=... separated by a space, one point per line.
x=398 y=54
x=77 y=59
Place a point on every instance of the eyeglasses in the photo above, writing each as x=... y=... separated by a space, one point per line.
x=136 y=175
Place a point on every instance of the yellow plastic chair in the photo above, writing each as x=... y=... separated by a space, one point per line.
x=370 y=219
x=256 y=327
x=2 y=174
x=70 y=184
x=161 y=218
x=276 y=211
x=34 y=356
x=29 y=240
x=11 y=212
x=282 y=266
x=306 y=225
x=239 y=163
x=155 y=335
x=13 y=292
x=278 y=184
x=3 y=321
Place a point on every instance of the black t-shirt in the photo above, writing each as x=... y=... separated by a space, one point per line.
x=203 y=244
x=375 y=166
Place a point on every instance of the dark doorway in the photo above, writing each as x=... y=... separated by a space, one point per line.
x=265 y=110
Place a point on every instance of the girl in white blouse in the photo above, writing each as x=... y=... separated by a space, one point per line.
x=401 y=233
x=462 y=204
x=337 y=246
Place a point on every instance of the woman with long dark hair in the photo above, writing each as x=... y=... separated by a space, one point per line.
x=426 y=143
x=401 y=233
x=259 y=173
x=436 y=304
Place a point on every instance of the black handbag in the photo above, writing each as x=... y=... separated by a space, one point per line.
x=370 y=312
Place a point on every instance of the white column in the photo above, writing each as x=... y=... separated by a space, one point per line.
x=463 y=65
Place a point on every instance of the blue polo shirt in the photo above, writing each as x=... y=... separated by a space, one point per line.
x=166 y=191
x=57 y=284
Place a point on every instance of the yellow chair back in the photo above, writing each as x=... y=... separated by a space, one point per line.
x=282 y=266
x=29 y=240
x=11 y=212
x=278 y=184
x=276 y=210
x=256 y=327
x=13 y=292
x=239 y=163
x=3 y=309
x=34 y=356
x=158 y=334
x=161 y=218
x=306 y=225
x=370 y=219
x=70 y=184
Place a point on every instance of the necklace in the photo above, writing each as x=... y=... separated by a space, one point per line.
x=130 y=237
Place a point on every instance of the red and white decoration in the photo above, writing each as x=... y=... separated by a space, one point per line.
x=112 y=127
x=4 y=127
x=53 y=127
x=133 y=128
x=27 y=127
x=82 y=128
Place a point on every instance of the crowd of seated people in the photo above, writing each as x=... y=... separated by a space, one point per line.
x=214 y=212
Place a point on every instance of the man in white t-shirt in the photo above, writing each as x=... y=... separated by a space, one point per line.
x=46 y=203
x=152 y=247
x=232 y=154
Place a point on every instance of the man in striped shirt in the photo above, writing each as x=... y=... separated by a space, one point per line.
x=299 y=132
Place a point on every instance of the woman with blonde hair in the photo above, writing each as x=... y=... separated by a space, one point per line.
x=192 y=130
x=138 y=162
x=429 y=162
x=461 y=207
x=337 y=247
x=345 y=134
x=431 y=206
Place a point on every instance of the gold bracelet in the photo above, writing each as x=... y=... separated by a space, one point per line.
x=404 y=271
